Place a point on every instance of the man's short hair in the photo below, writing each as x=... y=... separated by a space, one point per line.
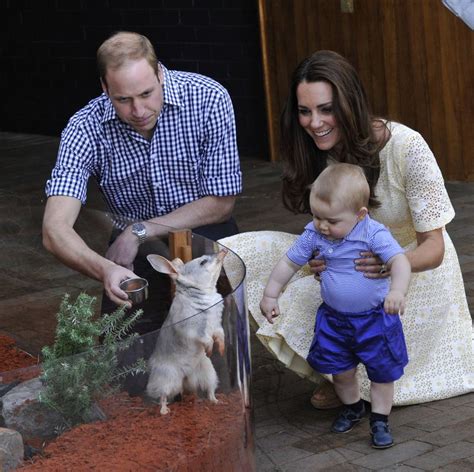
x=122 y=47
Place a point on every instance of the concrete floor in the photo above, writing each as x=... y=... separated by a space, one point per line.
x=291 y=434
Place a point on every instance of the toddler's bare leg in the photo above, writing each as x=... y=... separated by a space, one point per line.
x=381 y=396
x=347 y=387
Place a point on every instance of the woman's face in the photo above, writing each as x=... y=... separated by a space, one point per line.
x=316 y=116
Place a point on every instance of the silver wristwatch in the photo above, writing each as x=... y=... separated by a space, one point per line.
x=139 y=230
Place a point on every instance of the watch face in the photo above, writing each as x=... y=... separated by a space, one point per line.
x=139 y=229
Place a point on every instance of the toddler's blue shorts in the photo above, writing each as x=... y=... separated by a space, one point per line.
x=343 y=340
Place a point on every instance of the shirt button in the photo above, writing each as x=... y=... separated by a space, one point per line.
x=330 y=250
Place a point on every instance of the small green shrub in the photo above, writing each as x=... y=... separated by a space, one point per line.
x=77 y=370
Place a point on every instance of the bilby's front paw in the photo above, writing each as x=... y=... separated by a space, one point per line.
x=220 y=343
x=208 y=348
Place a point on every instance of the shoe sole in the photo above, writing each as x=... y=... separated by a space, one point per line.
x=382 y=447
x=354 y=423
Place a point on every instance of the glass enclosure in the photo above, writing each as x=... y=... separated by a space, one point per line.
x=174 y=396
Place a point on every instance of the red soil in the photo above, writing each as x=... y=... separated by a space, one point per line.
x=11 y=357
x=195 y=436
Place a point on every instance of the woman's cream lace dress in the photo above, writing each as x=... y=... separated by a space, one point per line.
x=437 y=323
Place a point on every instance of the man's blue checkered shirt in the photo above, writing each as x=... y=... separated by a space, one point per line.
x=193 y=152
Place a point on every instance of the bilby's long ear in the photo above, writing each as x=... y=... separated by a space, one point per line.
x=163 y=265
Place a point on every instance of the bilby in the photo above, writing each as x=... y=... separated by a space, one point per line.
x=180 y=362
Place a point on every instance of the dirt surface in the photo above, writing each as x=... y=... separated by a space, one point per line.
x=195 y=436
x=11 y=357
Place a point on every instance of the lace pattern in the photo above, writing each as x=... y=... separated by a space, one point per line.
x=437 y=323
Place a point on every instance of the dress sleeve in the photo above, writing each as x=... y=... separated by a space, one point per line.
x=426 y=193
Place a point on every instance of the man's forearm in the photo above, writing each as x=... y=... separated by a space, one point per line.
x=205 y=211
x=71 y=250
x=60 y=238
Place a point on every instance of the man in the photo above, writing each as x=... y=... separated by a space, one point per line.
x=161 y=145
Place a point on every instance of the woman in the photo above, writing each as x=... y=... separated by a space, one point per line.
x=327 y=118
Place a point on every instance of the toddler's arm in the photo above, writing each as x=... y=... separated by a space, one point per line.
x=400 y=272
x=280 y=276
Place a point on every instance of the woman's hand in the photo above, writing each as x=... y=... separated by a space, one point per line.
x=372 y=266
x=317 y=266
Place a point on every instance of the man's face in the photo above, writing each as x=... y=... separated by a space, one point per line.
x=136 y=94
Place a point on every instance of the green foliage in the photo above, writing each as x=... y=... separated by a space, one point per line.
x=77 y=371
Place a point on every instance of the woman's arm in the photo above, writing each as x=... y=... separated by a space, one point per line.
x=428 y=254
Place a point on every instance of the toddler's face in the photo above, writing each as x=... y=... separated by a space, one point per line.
x=334 y=221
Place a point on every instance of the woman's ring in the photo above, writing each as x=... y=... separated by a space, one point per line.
x=383 y=269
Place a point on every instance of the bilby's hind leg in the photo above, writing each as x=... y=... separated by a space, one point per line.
x=164 y=410
x=210 y=376
x=204 y=378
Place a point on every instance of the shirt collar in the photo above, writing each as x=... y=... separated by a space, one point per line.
x=171 y=91
x=358 y=232
x=171 y=95
x=109 y=113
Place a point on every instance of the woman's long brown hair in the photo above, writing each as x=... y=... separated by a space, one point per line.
x=303 y=161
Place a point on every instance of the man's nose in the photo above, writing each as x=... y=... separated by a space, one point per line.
x=137 y=108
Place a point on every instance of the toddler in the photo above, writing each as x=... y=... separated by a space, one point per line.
x=358 y=321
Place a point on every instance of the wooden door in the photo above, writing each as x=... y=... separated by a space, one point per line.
x=416 y=59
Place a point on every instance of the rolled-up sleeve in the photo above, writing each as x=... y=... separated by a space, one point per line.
x=71 y=172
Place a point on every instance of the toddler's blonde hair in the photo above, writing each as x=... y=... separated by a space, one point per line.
x=343 y=183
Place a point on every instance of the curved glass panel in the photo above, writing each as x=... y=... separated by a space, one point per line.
x=202 y=347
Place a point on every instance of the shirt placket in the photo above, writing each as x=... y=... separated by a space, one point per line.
x=155 y=175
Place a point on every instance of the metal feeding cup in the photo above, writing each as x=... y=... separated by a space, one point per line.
x=136 y=288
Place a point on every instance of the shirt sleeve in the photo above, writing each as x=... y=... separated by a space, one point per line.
x=385 y=245
x=428 y=200
x=220 y=173
x=71 y=172
x=303 y=248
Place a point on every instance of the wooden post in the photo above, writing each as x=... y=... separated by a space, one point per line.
x=180 y=244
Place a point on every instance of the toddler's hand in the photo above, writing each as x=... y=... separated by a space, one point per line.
x=394 y=303
x=269 y=308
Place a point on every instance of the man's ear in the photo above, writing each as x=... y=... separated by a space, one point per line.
x=104 y=86
x=160 y=74
x=362 y=213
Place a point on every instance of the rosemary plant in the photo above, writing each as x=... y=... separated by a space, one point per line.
x=78 y=369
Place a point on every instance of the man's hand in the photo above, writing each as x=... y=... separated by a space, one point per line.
x=124 y=249
x=269 y=308
x=112 y=277
x=394 y=302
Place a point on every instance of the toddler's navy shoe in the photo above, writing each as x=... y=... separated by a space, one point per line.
x=347 y=420
x=381 y=435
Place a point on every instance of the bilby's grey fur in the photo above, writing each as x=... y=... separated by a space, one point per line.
x=180 y=361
